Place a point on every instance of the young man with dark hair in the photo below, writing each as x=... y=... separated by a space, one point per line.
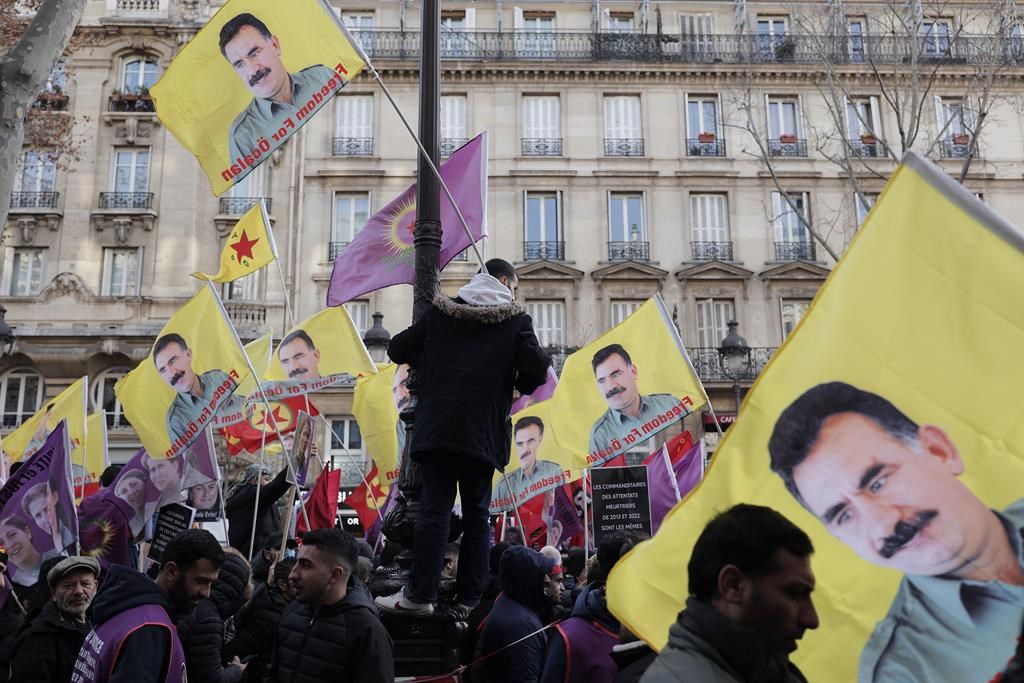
x=470 y=353
x=750 y=602
x=331 y=632
x=134 y=639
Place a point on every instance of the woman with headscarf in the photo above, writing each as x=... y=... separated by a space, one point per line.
x=240 y=503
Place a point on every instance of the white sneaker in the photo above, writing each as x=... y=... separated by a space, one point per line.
x=397 y=603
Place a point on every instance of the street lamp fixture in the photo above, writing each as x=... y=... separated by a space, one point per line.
x=734 y=357
x=6 y=334
x=377 y=339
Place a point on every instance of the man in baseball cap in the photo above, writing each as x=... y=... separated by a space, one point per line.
x=47 y=649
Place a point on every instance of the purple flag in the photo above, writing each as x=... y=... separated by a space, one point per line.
x=37 y=509
x=381 y=254
x=543 y=393
x=565 y=520
x=686 y=470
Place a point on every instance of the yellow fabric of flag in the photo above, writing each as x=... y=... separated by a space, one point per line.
x=249 y=247
x=31 y=435
x=96 y=458
x=896 y=400
x=253 y=75
x=375 y=407
x=195 y=365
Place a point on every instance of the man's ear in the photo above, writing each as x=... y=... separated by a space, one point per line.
x=731 y=584
x=172 y=570
x=938 y=444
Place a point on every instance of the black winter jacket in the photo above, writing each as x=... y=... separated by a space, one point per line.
x=255 y=627
x=340 y=643
x=469 y=359
x=202 y=631
x=268 y=523
x=46 y=649
x=10 y=621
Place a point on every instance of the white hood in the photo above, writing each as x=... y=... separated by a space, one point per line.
x=485 y=290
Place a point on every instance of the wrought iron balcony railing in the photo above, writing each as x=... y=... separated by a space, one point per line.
x=698 y=148
x=352 y=147
x=586 y=46
x=623 y=147
x=794 y=251
x=449 y=145
x=542 y=147
x=544 y=251
x=787 y=147
x=712 y=251
x=246 y=313
x=130 y=103
x=949 y=149
x=34 y=200
x=558 y=355
x=50 y=101
x=708 y=364
x=629 y=251
x=126 y=200
x=236 y=206
x=866 y=148
x=335 y=248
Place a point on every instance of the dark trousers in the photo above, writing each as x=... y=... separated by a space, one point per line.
x=441 y=474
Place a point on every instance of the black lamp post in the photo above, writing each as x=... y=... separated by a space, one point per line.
x=734 y=357
x=6 y=334
x=377 y=338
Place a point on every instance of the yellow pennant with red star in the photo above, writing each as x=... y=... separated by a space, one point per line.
x=249 y=247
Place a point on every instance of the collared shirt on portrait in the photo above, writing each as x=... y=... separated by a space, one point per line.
x=518 y=481
x=187 y=408
x=615 y=424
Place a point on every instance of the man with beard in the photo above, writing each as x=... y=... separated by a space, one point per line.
x=173 y=360
x=888 y=488
x=299 y=356
x=528 y=435
x=616 y=378
x=46 y=650
x=134 y=639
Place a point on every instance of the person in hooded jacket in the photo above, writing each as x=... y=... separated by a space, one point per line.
x=469 y=354
x=256 y=623
x=241 y=500
x=515 y=616
x=202 y=631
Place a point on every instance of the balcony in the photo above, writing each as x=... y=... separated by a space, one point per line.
x=629 y=251
x=865 y=147
x=352 y=147
x=449 y=145
x=708 y=364
x=697 y=147
x=130 y=103
x=794 y=251
x=246 y=314
x=787 y=146
x=50 y=101
x=34 y=200
x=956 y=148
x=544 y=251
x=126 y=200
x=542 y=147
x=623 y=147
x=236 y=206
x=137 y=9
x=712 y=251
x=558 y=355
x=334 y=249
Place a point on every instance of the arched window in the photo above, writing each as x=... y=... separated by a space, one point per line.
x=22 y=391
x=103 y=397
x=138 y=73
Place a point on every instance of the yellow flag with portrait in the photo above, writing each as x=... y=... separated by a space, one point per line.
x=31 y=435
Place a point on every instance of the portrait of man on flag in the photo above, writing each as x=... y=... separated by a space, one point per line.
x=537 y=465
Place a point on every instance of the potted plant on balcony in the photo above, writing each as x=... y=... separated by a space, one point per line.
x=961 y=139
x=785 y=50
x=705 y=137
x=787 y=138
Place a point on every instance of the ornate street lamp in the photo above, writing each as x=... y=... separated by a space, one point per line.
x=377 y=338
x=734 y=358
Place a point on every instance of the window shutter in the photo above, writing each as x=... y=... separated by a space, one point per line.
x=548 y=321
x=355 y=116
x=470 y=18
x=517 y=18
x=8 y=270
x=709 y=218
x=453 y=117
x=360 y=312
x=622 y=310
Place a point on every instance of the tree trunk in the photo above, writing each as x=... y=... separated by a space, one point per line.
x=23 y=72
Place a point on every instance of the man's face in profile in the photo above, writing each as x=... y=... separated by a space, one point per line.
x=778 y=605
x=528 y=440
x=299 y=360
x=175 y=367
x=400 y=388
x=616 y=380
x=894 y=501
x=257 y=61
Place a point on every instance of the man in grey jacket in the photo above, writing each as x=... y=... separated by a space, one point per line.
x=750 y=602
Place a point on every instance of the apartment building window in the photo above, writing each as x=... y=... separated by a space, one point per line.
x=351 y=211
x=103 y=397
x=703 y=128
x=773 y=41
x=709 y=227
x=130 y=173
x=534 y=33
x=360 y=27
x=121 y=271
x=954 y=122
x=793 y=311
x=34 y=180
x=1016 y=46
x=548 y=321
x=863 y=126
x=24 y=271
x=935 y=37
x=864 y=202
x=791 y=220
x=242 y=195
x=346 y=451
x=627 y=232
x=543 y=227
x=22 y=390
x=623 y=133
x=246 y=289
x=622 y=310
x=455 y=42
x=542 y=125
x=453 y=123
x=784 y=127
x=713 y=316
x=353 y=128
x=138 y=73
x=696 y=36
x=855 y=31
x=360 y=313
x=618 y=22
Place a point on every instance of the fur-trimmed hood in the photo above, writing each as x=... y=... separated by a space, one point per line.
x=486 y=315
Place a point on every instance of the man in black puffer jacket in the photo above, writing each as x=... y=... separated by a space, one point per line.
x=202 y=631
x=331 y=633
x=470 y=353
x=256 y=623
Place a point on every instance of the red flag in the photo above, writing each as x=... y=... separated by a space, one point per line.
x=322 y=503
x=362 y=501
x=247 y=435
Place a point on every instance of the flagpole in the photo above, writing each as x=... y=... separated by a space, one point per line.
x=586 y=516
x=85 y=440
x=362 y=476
x=671 y=472
x=515 y=506
x=259 y=487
